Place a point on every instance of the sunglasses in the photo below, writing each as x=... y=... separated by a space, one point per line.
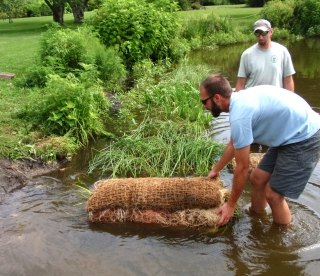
x=263 y=33
x=205 y=101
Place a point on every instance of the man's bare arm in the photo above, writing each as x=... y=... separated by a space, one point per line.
x=241 y=83
x=288 y=83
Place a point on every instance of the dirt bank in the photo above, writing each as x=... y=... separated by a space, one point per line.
x=15 y=175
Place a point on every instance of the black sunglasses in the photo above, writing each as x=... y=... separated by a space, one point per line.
x=205 y=101
x=263 y=33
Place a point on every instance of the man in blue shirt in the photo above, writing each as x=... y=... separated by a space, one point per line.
x=274 y=117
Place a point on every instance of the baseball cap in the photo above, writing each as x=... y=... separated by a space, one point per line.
x=262 y=24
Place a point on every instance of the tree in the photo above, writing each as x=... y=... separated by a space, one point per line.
x=12 y=8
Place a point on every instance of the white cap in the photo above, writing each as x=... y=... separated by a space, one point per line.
x=262 y=25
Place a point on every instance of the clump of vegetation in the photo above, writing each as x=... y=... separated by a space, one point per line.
x=175 y=98
x=161 y=140
x=67 y=107
x=140 y=29
x=158 y=148
x=279 y=13
x=211 y=31
x=299 y=17
x=65 y=51
x=306 y=20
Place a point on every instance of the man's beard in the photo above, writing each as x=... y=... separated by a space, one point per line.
x=215 y=110
x=262 y=43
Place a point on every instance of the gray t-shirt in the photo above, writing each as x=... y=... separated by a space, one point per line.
x=265 y=66
x=271 y=116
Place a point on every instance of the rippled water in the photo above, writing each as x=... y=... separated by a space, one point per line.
x=44 y=228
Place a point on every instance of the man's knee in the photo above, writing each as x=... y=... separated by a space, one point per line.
x=259 y=178
x=273 y=197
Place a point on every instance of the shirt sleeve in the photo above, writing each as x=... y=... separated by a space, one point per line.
x=241 y=133
x=288 y=68
x=242 y=68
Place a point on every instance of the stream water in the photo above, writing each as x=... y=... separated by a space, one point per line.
x=44 y=228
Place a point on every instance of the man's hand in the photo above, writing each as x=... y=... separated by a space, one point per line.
x=213 y=173
x=226 y=212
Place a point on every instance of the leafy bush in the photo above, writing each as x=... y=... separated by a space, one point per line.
x=66 y=50
x=67 y=107
x=211 y=31
x=306 y=19
x=279 y=13
x=141 y=29
x=35 y=76
x=177 y=92
x=65 y=46
x=256 y=3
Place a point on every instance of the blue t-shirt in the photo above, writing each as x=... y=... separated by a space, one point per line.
x=271 y=116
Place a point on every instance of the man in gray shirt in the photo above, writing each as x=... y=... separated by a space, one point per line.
x=266 y=62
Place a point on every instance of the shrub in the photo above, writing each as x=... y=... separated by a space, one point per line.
x=256 y=3
x=67 y=107
x=66 y=50
x=35 y=76
x=141 y=29
x=65 y=46
x=211 y=31
x=306 y=19
x=279 y=13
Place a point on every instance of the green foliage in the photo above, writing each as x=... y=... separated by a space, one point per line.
x=35 y=76
x=158 y=148
x=66 y=50
x=146 y=73
x=256 y=3
x=164 y=5
x=69 y=107
x=94 y=4
x=279 y=13
x=140 y=29
x=170 y=140
x=184 y=5
x=210 y=31
x=176 y=97
x=13 y=9
x=306 y=19
x=38 y=8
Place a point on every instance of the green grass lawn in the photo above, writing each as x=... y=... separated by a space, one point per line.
x=239 y=14
x=20 y=42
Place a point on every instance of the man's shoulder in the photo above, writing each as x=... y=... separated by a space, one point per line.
x=251 y=48
x=277 y=45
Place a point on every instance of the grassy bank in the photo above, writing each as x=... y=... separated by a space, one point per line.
x=241 y=16
x=19 y=48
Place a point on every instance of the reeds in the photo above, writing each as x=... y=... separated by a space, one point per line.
x=158 y=148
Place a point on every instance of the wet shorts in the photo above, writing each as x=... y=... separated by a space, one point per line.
x=291 y=165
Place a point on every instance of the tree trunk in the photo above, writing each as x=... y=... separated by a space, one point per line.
x=57 y=8
x=78 y=8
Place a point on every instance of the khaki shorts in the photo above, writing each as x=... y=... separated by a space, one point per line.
x=291 y=165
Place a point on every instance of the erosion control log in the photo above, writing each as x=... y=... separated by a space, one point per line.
x=168 y=201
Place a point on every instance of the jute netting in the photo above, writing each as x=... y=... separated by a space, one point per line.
x=168 y=201
x=254 y=160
